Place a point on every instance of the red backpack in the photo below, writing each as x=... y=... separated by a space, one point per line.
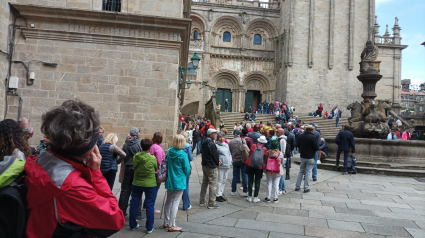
x=273 y=165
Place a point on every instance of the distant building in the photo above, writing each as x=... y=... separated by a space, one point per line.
x=412 y=98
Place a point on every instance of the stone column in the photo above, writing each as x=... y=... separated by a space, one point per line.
x=351 y=40
x=331 y=34
x=311 y=34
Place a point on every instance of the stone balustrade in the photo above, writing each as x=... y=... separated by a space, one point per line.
x=386 y=151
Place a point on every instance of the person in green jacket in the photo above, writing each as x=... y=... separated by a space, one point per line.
x=178 y=168
x=145 y=166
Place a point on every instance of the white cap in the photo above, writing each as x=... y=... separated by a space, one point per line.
x=211 y=131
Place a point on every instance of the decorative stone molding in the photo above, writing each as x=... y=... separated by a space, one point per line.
x=227 y=77
x=257 y=80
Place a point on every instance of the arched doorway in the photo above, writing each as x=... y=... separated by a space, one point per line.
x=224 y=91
x=257 y=90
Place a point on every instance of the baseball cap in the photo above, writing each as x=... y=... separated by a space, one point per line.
x=134 y=131
x=236 y=132
x=211 y=131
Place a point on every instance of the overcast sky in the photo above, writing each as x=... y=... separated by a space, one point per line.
x=411 y=15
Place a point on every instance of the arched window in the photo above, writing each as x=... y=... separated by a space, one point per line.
x=227 y=37
x=195 y=35
x=257 y=39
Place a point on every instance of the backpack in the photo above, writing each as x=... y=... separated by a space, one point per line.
x=257 y=157
x=273 y=165
x=162 y=171
x=351 y=165
x=13 y=213
x=245 y=151
x=288 y=149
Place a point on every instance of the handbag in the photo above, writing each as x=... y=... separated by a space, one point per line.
x=163 y=171
x=245 y=151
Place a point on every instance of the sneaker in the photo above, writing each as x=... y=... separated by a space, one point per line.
x=190 y=207
x=141 y=217
x=149 y=232
x=297 y=189
x=241 y=187
x=233 y=193
x=156 y=211
x=202 y=204
x=165 y=226
x=255 y=200
x=306 y=190
x=135 y=227
x=315 y=179
x=197 y=156
x=284 y=192
x=280 y=193
x=216 y=206
x=344 y=173
x=276 y=200
x=266 y=200
x=223 y=198
x=249 y=199
x=245 y=194
x=219 y=199
x=287 y=177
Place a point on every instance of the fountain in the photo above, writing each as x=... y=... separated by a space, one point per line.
x=368 y=119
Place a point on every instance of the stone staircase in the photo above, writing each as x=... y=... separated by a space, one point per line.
x=327 y=126
x=231 y=118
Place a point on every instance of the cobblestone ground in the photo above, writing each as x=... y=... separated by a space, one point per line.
x=337 y=206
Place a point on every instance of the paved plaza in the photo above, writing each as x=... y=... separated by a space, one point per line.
x=337 y=206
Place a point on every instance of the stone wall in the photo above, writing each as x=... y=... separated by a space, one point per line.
x=386 y=151
x=322 y=54
x=167 y=8
x=128 y=74
x=4 y=22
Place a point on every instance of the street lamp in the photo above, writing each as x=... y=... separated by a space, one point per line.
x=204 y=84
x=195 y=62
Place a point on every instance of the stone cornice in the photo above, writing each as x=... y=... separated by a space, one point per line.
x=202 y=5
x=108 y=28
x=402 y=47
x=241 y=57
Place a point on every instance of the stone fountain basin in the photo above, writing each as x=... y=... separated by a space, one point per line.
x=385 y=151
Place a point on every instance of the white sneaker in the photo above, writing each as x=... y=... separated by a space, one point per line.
x=190 y=207
x=249 y=199
x=255 y=200
x=241 y=187
x=245 y=194
x=233 y=193
x=280 y=193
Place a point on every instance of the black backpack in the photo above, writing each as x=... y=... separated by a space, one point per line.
x=288 y=149
x=13 y=212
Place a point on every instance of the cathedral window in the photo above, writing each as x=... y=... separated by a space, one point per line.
x=227 y=37
x=257 y=39
x=111 y=5
x=195 y=35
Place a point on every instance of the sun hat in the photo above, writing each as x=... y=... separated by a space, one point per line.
x=309 y=127
x=262 y=140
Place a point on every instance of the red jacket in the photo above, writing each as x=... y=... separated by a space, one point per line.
x=208 y=126
x=65 y=193
x=251 y=151
x=182 y=118
x=320 y=108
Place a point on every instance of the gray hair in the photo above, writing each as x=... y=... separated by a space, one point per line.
x=23 y=120
x=248 y=125
x=28 y=130
x=71 y=125
x=221 y=134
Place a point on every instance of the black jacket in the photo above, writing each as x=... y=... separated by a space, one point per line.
x=209 y=154
x=246 y=116
x=291 y=140
x=308 y=145
x=131 y=148
x=197 y=135
x=345 y=141
x=324 y=147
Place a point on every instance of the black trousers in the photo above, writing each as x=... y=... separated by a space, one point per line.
x=110 y=177
x=345 y=158
x=288 y=167
x=126 y=191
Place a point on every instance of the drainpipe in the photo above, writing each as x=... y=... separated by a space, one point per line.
x=20 y=103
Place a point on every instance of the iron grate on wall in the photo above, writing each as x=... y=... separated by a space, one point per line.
x=111 y=5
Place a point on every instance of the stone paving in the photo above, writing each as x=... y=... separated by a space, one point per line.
x=338 y=206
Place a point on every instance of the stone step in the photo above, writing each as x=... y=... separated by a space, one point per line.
x=381 y=164
x=371 y=170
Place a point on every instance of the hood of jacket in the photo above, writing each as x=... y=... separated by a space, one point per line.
x=132 y=147
x=224 y=155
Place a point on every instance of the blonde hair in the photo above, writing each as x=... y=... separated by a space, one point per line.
x=179 y=141
x=185 y=134
x=112 y=138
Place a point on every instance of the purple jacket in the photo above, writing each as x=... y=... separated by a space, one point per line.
x=158 y=152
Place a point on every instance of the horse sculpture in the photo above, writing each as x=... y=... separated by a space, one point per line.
x=356 y=112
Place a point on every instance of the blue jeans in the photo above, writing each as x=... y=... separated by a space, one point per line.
x=185 y=196
x=316 y=157
x=337 y=122
x=253 y=119
x=238 y=168
x=197 y=145
x=150 y=197
x=282 y=181
x=200 y=147
x=295 y=150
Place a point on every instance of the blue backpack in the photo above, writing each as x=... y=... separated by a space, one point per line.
x=257 y=157
x=351 y=165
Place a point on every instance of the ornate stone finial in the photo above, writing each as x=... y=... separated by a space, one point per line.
x=396 y=29
x=396 y=21
x=370 y=52
x=376 y=26
x=387 y=33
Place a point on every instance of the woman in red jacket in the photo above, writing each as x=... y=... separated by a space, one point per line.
x=254 y=169
x=67 y=193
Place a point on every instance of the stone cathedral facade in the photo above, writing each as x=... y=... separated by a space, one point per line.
x=303 y=52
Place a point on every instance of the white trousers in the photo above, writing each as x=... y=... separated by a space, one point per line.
x=272 y=181
x=171 y=206
x=221 y=181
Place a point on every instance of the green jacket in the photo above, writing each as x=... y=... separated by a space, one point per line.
x=145 y=166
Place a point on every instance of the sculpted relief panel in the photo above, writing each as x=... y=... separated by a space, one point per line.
x=254 y=85
x=224 y=83
x=241 y=65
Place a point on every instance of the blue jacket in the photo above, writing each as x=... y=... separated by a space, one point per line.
x=109 y=160
x=100 y=141
x=345 y=141
x=254 y=135
x=324 y=147
x=188 y=150
x=178 y=168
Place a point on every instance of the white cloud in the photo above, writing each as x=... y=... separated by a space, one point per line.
x=417 y=81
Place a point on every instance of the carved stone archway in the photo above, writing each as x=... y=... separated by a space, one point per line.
x=227 y=79
x=257 y=81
